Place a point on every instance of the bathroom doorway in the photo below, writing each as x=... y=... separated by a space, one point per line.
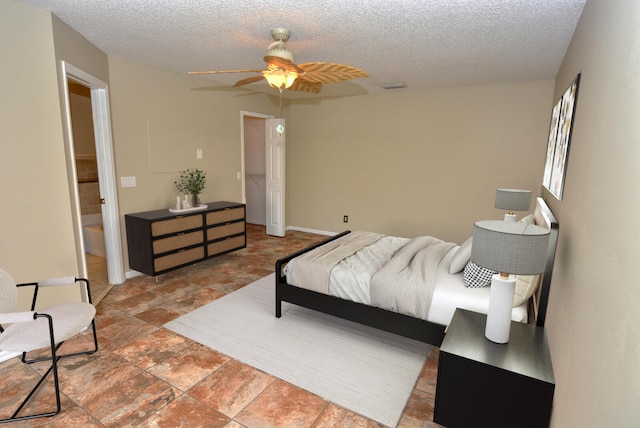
x=91 y=171
x=86 y=165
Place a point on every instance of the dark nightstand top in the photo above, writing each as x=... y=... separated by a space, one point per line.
x=526 y=353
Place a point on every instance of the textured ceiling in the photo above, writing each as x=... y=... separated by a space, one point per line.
x=423 y=43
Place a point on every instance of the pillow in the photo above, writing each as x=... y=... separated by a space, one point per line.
x=461 y=257
x=476 y=276
x=528 y=219
x=526 y=285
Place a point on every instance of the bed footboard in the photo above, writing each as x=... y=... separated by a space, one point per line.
x=280 y=263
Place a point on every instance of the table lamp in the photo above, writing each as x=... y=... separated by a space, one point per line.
x=513 y=200
x=511 y=248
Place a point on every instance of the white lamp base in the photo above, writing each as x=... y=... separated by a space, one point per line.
x=510 y=217
x=500 y=306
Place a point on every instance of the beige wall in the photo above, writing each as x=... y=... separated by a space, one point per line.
x=414 y=163
x=159 y=119
x=73 y=48
x=593 y=313
x=36 y=228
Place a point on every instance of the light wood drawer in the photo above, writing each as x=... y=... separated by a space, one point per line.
x=224 y=216
x=175 y=242
x=226 y=245
x=177 y=259
x=174 y=225
x=226 y=230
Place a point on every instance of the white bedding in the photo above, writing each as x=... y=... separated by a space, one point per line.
x=350 y=279
x=451 y=293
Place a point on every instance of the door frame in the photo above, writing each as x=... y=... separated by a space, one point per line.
x=106 y=170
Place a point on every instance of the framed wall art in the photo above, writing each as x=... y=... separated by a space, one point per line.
x=559 y=139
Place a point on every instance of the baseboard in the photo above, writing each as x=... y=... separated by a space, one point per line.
x=6 y=355
x=316 y=231
x=132 y=274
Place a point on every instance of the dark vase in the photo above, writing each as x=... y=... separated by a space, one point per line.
x=195 y=201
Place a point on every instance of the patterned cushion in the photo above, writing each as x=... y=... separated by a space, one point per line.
x=476 y=276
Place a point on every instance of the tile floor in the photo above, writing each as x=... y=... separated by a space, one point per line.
x=146 y=376
x=97 y=272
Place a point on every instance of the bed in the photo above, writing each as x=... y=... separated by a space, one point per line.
x=318 y=287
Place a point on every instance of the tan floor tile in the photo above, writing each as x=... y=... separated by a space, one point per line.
x=419 y=411
x=131 y=401
x=429 y=374
x=123 y=332
x=230 y=388
x=188 y=365
x=335 y=416
x=186 y=412
x=87 y=379
x=162 y=314
x=282 y=405
x=153 y=349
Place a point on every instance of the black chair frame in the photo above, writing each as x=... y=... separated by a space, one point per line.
x=53 y=357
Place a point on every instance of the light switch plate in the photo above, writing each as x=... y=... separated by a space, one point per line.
x=198 y=153
x=128 y=181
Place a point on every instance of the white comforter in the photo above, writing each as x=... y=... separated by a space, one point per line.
x=396 y=274
x=405 y=284
x=350 y=279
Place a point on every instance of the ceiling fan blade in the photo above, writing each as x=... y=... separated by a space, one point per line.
x=302 y=85
x=225 y=71
x=248 y=80
x=328 y=72
x=283 y=63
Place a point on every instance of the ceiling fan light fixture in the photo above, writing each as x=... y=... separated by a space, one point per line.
x=280 y=78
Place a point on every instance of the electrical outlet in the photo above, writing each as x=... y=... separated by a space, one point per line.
x=198 y=153
x=345 y=219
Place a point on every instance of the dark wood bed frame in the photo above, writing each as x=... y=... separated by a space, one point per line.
x=404 y=325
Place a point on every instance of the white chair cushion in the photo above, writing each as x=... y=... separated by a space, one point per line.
x=8 y=292
x=68 y=320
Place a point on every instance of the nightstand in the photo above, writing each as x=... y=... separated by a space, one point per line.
x=485 y=384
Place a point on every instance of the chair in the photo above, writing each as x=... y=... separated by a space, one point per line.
x=43 y=328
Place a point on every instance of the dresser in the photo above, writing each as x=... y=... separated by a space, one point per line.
x=160 y=241
x=485 y=384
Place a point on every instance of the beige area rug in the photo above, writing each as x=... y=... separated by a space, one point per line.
x=362 y=369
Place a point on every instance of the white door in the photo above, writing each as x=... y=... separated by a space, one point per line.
x=275 y=176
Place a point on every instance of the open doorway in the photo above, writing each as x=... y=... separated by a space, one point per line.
x=264 y=182
x=91 y=172
x=253 y=137
x=255 y=170
x=86 y=165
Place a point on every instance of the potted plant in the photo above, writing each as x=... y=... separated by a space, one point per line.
x=192 y=183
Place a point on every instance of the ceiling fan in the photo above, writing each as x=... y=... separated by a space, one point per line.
x=282 y=73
